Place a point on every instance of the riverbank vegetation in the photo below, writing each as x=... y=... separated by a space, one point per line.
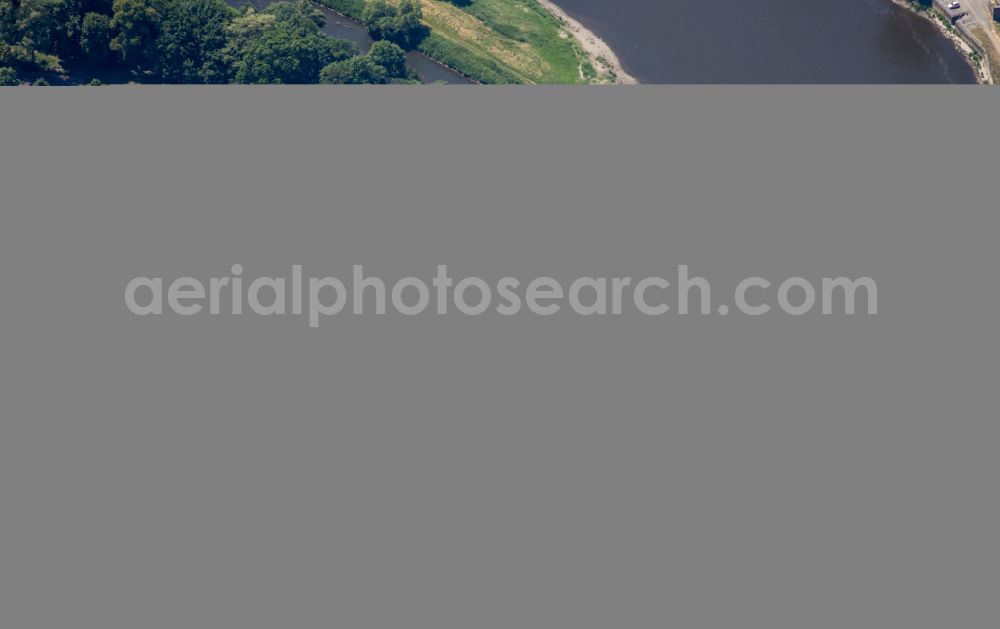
x=207 y=41
x=491 y=41
x=181 y=41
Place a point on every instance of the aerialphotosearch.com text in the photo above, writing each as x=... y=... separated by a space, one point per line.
x=322 y=297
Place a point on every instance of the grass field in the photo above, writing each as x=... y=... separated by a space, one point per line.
x=992 y=58
x=497 y=41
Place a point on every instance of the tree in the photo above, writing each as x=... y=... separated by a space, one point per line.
x=298 y=16
x=50 y=26
x=354 y=71
x=283 y=45
x=10 y=32
x=375 y=11
x=95 y=38
x=8 y=77
x=400 y=25
x=136 y=25
x=409 y=30
x=384 y=61
x=16 y=56
x=390 y=56
x=190 y=36
x=176 y=41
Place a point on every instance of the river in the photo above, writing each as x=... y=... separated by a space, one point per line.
x=337 y=25
x=772 y=41
x=744 y=41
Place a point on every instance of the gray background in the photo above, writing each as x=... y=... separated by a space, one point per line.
x=456 y=472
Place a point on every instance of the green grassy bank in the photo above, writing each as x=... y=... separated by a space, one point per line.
x=496 y=41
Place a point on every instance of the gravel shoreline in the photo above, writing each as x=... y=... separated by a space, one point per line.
x=601 y=55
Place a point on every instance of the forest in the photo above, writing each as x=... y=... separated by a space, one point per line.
x=197 y=41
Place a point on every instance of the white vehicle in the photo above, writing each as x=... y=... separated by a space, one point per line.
x=954 y=5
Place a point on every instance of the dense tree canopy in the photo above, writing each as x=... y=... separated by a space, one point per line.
x=398 y=24
x=284 y=45
x=190 y=35
x=196 y=41
x=384 y=63
x=390 y=56
x=354 y=71
x=95 y=38
x=135 y=24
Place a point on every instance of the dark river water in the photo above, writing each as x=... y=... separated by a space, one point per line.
x=772 y=41
x=744 y=41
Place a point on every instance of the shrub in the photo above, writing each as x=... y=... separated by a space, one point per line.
x=8 y=77
x=354 y=71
